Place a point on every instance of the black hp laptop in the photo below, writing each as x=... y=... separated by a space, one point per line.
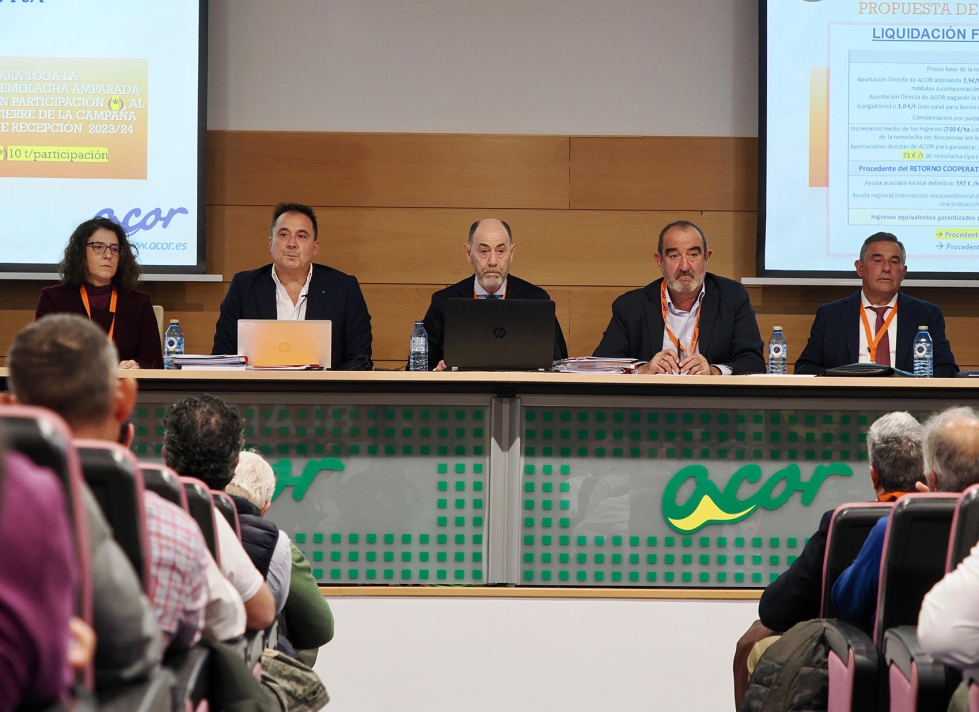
x=499 y=334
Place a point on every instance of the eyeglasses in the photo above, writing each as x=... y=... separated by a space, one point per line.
x=100 y=248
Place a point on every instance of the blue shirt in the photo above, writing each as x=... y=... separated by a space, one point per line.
x=855 y=591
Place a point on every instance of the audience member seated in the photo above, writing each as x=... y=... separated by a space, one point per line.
x=199 y=420
x=948 y=626
x=689 y=321
x=37 y=580
x=894 y=452
x=489 y=250
x=99 y=274
x=306 y=620
x=951 y=454
x=202 y=438
x=292 y=288
x=65 y=363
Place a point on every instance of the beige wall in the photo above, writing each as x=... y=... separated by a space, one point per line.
x=394 y=210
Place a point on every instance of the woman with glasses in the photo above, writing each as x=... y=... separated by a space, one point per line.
x=98 y=279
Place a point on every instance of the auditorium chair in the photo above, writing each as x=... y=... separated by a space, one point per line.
x=201 y=508
x=164 y=482
x=226 y=506
x=44 y=438
x=917 y=681
x=848 y=530
x=114 y=477
x=915 y=548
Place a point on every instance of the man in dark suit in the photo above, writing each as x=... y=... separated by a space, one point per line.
x=489 y=250
x=690 y=321
x=294 y=288
x=876 y=324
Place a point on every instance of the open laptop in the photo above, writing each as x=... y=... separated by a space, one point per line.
x=499 y=334
x=269 y=343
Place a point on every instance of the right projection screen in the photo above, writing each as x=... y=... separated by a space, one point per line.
x=869 y=123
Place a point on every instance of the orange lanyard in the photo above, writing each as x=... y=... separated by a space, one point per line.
x=476 y=296
x=673 y=337
x=872 y=341
x=112 y=307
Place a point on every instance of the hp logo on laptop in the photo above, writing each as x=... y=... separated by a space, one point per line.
x=499 y=332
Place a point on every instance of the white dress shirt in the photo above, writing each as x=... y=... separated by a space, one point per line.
x=482 y=293
x=682 y=324
x=948 y=625
x=864 y=353
x=285 y=309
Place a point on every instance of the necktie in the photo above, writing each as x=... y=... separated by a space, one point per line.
x=492 y=296
x=884 y=345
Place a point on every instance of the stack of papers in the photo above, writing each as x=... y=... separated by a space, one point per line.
x=596 y=364
x=208 y=362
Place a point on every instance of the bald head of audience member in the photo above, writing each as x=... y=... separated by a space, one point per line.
x=254 y=480
x=203 y=436
x=952 y=450
x=67 y=364
x=895 y=453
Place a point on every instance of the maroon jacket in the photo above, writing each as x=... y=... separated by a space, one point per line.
x=136 y=335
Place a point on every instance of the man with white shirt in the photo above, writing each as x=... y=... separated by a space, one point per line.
x=690 y=321
x=293 y=288
x=877 y=324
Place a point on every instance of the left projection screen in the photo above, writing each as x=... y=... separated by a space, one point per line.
x=102 y=113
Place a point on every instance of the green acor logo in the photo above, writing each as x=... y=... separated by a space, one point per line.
x=710 y=505
x=300 y=483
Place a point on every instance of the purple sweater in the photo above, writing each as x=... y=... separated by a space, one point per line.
x=37 y=580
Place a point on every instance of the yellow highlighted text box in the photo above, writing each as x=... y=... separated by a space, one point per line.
x=912 y=155
x=58 y=154
x=961 y=233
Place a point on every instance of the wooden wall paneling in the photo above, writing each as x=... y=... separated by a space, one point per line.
x=591 y=310
x=390 y=170
x=394 y=309
x=664 y=173
x=426 y=245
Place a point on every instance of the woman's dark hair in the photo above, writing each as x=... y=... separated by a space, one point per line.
x=72 y=267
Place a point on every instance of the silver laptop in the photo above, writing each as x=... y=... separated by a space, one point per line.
x=269 y=343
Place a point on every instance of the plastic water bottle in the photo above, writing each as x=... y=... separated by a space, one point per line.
x=924 y=361
x=173 y=343
x=418 y=360
x=778 y=352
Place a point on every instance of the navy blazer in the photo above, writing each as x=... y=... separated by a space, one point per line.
x=835 y=336
x=332 y=295
x=516 y=288
x=728 y=329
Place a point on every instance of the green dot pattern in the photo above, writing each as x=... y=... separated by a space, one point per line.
x=599 y=539
x=419 y=507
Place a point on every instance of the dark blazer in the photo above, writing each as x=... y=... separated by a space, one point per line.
x=728 y=330
x=835 y=336
x=516 y=288
x=332 y=295
x=795 y=596
x=136 y=336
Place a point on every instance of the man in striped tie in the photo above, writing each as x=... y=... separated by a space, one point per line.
x=878 y=323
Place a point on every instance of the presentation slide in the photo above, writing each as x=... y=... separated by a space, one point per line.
x=99 y=116
x=872 y=124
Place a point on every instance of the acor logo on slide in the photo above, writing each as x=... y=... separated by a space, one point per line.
x=133 y=224
x=710 y=505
